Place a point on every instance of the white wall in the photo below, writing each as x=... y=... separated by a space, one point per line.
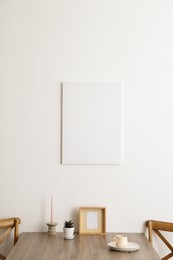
x=43 y=43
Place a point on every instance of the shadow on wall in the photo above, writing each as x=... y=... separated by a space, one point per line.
x=75 y=218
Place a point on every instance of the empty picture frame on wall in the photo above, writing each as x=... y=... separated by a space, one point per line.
x=91 y=122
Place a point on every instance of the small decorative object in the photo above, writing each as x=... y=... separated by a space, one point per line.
x=92 y=220
x=51 y=225
x=52 y=228
x=68 y=229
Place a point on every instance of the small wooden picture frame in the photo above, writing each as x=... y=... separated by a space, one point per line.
x=92 y=220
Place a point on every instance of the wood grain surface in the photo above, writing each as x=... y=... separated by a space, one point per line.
x=41 y=246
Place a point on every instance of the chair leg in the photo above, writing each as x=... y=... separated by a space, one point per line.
x=16 y=228
x=150 y=232
x=2 y=257
x=167 y=256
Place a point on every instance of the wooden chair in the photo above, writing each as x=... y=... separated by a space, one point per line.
x=157 y=226
x=6 y=226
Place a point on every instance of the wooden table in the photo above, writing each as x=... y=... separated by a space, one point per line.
x=41 y=246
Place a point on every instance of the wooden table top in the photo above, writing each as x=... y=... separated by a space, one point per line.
x=41 y=246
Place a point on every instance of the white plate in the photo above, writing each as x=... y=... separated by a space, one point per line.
x=131 y=247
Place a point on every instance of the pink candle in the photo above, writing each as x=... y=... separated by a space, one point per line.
x=51 y=213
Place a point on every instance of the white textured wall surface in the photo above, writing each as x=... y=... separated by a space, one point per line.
x=43 y=43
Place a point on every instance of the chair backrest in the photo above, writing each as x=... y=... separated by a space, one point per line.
x=157 y=226
x=6 y=226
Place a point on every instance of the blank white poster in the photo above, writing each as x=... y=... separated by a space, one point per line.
x=91 y=123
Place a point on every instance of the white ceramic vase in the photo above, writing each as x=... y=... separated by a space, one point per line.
x=68 y=233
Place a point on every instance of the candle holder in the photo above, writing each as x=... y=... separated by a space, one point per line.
x=51 y=228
